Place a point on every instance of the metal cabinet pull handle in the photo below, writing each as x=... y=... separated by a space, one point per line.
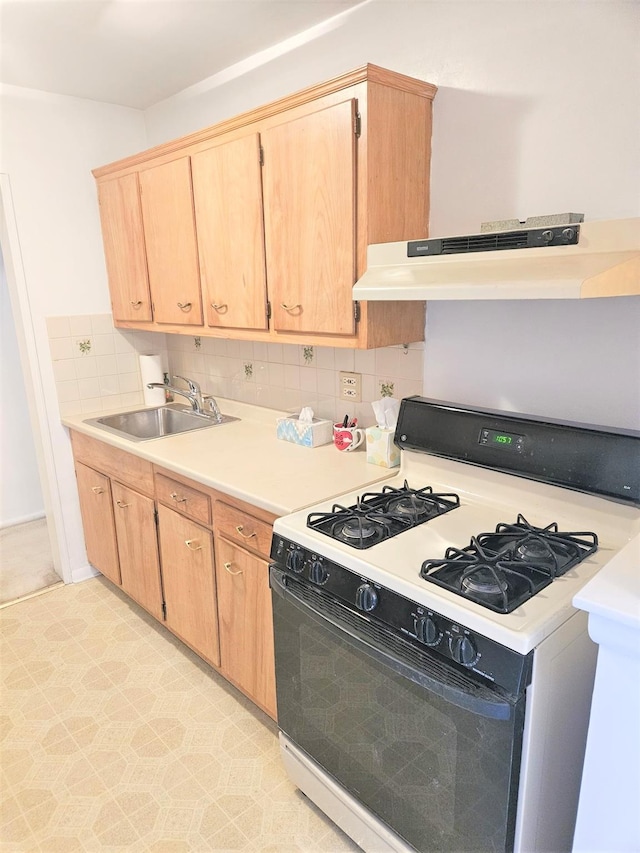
x=122 y=505
x=177 y=498
x=240 y=528
x=98 y=490
x=185 y=306
x=136 y=304
x=228 y=568
x=219 y=306
x=193 y=545
x=290 y=307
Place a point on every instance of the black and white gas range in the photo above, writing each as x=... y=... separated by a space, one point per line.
x=433 y=677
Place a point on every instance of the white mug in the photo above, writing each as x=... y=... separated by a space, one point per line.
x=347 y=438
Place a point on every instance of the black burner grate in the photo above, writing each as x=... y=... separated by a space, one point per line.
x=502 y=570
x=380 y=515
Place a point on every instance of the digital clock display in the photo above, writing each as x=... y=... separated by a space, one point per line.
x=506 y=440
x=503 y=439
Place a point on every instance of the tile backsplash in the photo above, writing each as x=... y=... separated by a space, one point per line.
x=96 y=368
x=95 y=365
x=284 y=376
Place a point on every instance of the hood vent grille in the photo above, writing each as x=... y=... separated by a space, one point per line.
x=484 y=243
x=529 y=238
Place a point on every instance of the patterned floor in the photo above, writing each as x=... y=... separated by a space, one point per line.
x=116 y=737
x=26 y=564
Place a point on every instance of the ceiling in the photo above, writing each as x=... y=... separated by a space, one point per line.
x=138 y=52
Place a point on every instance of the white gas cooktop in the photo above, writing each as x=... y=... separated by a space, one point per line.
x=487 y=498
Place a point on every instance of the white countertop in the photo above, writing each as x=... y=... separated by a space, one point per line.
x=244 y=459
x=614 y=593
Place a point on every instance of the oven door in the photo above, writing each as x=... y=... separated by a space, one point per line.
x=428 y=750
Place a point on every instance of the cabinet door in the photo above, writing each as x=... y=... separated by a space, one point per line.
x=124 y=248
x=246 y=624
x=188 y=579
x=309 y=214
x=227 y=194
x=94 y=491
x=172 y=252
x=137 y=547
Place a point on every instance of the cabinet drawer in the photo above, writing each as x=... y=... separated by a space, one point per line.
x=185 y=499
x=123 y=466
x=243 y=528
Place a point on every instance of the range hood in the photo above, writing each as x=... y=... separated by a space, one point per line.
x=590 y=259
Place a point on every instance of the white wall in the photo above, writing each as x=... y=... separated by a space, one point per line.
x=50 y=144
x=20 y=493
x=537 y=112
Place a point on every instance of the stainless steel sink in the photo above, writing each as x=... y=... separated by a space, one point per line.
x=145 y=424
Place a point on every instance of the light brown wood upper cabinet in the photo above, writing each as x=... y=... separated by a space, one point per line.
x=124 y=248
x=172 y=249
x=227 y=195
x=280 y=245
x=309 y=215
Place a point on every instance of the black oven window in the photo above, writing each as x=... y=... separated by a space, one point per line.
x=441 y=776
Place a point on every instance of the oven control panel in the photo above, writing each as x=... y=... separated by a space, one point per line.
x=424 y=628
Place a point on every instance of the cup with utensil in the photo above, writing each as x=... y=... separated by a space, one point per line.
x=346 y=435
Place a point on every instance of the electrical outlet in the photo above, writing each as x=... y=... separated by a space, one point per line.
x=351 y=386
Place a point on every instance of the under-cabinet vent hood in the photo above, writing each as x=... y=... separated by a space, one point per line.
x=583 y=260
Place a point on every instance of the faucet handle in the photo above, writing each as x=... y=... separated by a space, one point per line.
x=211 y=403
x=194 y=388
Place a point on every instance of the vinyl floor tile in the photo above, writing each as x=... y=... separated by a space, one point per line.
x=115 y=737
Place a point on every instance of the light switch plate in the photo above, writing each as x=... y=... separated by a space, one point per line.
x=350 y=386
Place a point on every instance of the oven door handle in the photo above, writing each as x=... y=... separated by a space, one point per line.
x=437 y=677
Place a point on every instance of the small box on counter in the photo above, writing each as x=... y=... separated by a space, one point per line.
x=306 y=433
x=380 y=447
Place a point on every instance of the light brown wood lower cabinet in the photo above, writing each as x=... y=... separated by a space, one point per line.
x=202 y=573
x=246 y=624
x=188 y=578
x=138 y=547
x=94 y=490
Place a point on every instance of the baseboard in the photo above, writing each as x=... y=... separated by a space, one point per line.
x=84 y=573
x=23 y=519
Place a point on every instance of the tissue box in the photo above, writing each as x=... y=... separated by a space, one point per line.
x=380 y=447
x=304 y=433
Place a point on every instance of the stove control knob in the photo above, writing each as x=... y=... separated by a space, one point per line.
x=427 y=630
x=463 y=650
x=366 y=598
x=547 y=236
x=568 y=234
x=317 y=572
x=295 y=561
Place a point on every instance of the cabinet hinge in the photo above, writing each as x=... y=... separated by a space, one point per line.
x=268 y=310
x=164 y=609
x=356 y=312
x=357 y=124
x=261 y=156
x=155 y=516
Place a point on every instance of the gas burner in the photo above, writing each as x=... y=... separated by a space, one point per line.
x=357 y=526
x=377 y=516
x=546 y=547
x=409 y=506
x=485 y=581
x=504 y=569
x=495 y=582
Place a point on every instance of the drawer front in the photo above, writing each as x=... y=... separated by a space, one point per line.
x=125 y=467
x=185 y=499
x=243 y=528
